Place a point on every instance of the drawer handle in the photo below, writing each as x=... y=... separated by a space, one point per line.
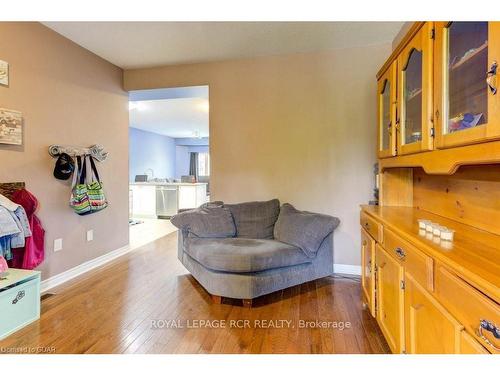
x=20 y=296
x=490 y=327
x=491 y=77
x=400 y=253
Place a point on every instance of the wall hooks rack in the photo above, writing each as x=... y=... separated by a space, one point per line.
x=96 y=151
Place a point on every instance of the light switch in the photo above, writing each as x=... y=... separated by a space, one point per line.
x=58 y=244
x=90 y=235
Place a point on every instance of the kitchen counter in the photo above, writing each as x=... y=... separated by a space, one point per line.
x=154 y=183
x=156 y=199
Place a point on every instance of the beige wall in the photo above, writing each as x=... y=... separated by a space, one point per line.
x=401 y=34
x=68 y=96
x=298 y=127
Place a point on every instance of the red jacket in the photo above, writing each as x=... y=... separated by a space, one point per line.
x=33 y=252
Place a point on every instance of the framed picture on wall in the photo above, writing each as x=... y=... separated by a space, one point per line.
x=4 y=73
x=11 y=127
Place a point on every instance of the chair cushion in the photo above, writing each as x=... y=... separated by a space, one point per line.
x=255 y=219
x=243 y=254
x=303 y=229
x=207 y=221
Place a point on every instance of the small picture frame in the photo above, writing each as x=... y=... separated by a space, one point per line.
x=11 y=127
x=4 y=73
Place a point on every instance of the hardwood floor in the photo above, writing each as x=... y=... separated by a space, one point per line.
x=124 y=307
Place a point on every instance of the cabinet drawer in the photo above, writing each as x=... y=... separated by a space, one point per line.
x=19 y=306
x=469 y=345
x=418 y=264
x=469 y=306
x=371 y=226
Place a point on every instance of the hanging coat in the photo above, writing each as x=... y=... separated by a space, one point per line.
x=33 y=252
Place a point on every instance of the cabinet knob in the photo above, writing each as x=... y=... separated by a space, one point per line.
x=490 y=327
x=400 y=253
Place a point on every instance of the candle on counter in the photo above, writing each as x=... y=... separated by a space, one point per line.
x=447 y=234
x=422 y=223
x=429 y=226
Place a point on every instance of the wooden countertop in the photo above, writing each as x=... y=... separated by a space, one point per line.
x=474 y=253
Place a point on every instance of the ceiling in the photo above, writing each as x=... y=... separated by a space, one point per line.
x=132 y=45
x=176 y=118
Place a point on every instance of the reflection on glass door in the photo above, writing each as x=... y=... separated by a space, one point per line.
x=466 y=59
x=386 y=115
x=412 y=101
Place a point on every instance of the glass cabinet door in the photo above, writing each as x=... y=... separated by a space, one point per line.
x=465 y=104
x=415 y=93
x=387 y=113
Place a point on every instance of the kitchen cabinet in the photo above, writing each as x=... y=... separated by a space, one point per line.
x=467 y=109
x=390 y=299
x=429 y=328
x=192 y=195
x=143 y=201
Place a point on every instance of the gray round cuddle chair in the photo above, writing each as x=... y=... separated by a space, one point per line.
x=251 y=249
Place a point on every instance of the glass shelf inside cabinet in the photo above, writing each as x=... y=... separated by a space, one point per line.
x=386 y=115
x=466 y=91
x=412 y=121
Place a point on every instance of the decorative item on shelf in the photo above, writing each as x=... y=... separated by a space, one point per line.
x=416 y=136
x=11 y=127
x=464 y=121
x=96 y=151
x=4 y=73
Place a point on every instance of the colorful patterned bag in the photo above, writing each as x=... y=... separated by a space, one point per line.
x=87 y=197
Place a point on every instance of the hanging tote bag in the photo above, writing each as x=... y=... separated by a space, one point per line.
x=79 y=199
x=87 y=196
x=95 y=191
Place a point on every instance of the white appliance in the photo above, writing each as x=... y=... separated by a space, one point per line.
x=166 y=201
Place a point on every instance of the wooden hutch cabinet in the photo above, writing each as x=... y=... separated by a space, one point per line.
x=439 y=160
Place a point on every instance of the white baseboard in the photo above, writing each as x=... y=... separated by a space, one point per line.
x=56 y=280
x=347 y=269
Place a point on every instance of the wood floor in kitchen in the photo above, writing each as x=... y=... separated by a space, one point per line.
x=146 y=302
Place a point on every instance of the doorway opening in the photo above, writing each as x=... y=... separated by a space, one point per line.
x=169 y=158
